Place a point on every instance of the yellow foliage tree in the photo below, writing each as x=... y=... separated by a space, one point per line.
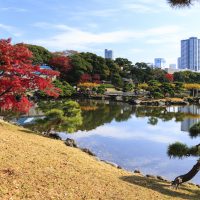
x=88 y=85
x=192 y=87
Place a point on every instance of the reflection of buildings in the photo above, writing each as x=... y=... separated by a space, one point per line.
x=189 y=121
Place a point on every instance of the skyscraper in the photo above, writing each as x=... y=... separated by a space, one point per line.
x=108 y=54
x=159 y=62
x=190 y=54
x=179 y=62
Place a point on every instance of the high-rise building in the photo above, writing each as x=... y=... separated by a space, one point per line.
x=159 y=63
x=108 y=54
x=190 y=54
x=179 y=63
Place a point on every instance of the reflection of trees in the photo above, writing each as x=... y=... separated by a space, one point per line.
x=155 y=113
x=103 y=113
x=61 y=116
x=181 y=150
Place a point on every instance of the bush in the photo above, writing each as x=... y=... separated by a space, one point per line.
x=157 y=95
x=128 y=87
x=108 y=86
x=101 y=89
x=66 y=89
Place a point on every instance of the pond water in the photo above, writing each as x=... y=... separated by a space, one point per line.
x=136 y=137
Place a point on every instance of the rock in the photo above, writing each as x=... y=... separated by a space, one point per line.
x=161 y=103
x=137 y=172
x=119 y=98
x=112 y=164
x=88 y=151
x=135 y=102
x=191 y=184
x=97 y=159
x=160 y=178
x=71 y=143
x=54 y=136
x=150 y=176
x=198 y=186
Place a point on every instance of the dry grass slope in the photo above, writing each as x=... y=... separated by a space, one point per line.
x=34 y=167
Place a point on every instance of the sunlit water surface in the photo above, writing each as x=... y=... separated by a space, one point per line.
x=138 y=138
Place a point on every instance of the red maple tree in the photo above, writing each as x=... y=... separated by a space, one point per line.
x=96 y=78
x=85 y=78
x=169 y=77
x=61 y=63
x=18 y=77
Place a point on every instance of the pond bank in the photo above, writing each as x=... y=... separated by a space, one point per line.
x=35 y=167
x=169 y=101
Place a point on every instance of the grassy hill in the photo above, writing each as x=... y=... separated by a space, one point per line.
x=35 y=167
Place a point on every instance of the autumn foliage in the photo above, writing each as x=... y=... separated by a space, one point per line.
x=95 y=78
x=169 y=77
x=61 y=63
x=85 y=78
x=18 y=77
x=88 y=85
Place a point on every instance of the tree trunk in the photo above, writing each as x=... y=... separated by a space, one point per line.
x=186 y=177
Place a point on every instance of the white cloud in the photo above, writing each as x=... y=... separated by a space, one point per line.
x=140 y=8
x=148 y=133
x=11 y=30
x=75 y=38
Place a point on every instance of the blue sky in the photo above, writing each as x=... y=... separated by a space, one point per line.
x=139 y=30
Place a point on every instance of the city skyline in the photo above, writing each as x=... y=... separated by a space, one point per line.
x=139 y=30
x=159 y=63
x=190 y=54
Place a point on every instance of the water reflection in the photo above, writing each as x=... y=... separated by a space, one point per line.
x=193 y=113
x=135 y=137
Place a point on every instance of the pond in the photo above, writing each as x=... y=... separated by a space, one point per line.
x=135 y=137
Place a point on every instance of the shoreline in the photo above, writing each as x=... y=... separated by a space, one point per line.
x=169 y=101
x=72 y=144
x=49 y=169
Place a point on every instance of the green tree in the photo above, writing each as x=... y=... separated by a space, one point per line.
x=181 y=150
x=181 y=3
x=66 y=89
x=128 y=87
x=155 y=89
x=113 y=67
x=167 y=89
x=141 y=73
x=178 y=87
x=80 y=66
x=125 y=67
x=40 y=54
x=98 y=63
x=101 y=89
x=117 y=80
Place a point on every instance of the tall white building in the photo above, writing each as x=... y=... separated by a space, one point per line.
x=190 y=54
x=108 y=54
x=159 y=63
